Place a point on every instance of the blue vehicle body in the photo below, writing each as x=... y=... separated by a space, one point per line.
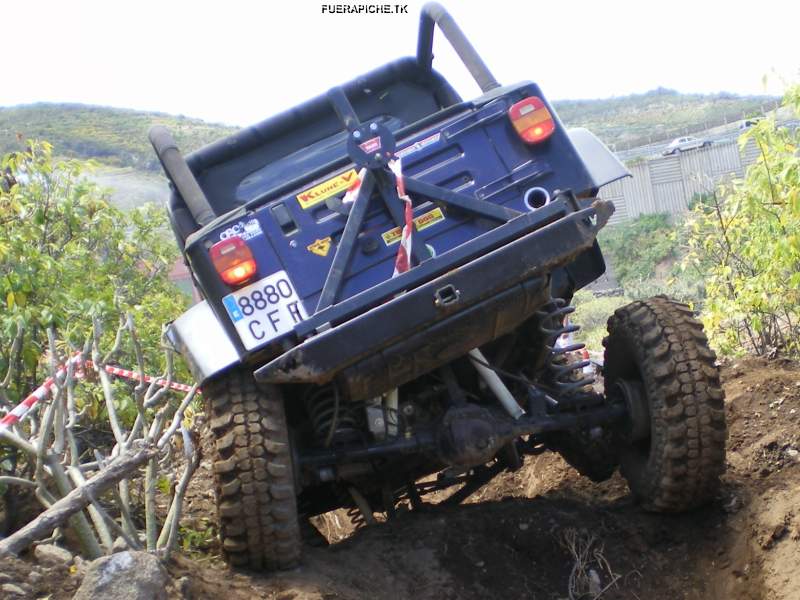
x=502 y=227
x=340 y=338
x=469 y=147
x=335 y=376
x=475 y=151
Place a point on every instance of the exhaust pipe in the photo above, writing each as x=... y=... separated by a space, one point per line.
x=536 y=198
x=181 y=176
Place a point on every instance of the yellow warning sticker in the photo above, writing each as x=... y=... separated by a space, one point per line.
x=320 y=247
x=421 y=222
x=326 y=189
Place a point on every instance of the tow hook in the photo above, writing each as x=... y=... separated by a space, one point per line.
x=446 y=296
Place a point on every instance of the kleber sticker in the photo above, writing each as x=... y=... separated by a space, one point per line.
x=243 y=229
x=326 y=189
x=416 y=146
x=421 y=222
x=320 y=247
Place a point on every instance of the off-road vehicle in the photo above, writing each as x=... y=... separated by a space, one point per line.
x=386 y=273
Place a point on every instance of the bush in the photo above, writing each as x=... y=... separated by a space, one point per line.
x=637 y=247
x=69 y=258
x=745 y=240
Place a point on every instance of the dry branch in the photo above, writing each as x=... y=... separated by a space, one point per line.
x=51 y=446
x=118 y=469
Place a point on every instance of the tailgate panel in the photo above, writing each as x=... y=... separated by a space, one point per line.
x=477 y=153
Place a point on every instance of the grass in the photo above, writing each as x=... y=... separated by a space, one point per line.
x=591 y=314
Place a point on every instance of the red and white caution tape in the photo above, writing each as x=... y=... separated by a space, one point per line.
x=403 y=261
x=23 y=408
x=352 y=191
x=20 y=410
x=126 y=374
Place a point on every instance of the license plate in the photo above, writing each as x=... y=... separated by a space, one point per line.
x=265 y=309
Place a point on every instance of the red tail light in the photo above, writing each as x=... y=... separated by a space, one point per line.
x=233 y=260
x=532 y=120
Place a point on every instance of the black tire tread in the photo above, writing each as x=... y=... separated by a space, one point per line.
x=688 y=431
x=253 y=474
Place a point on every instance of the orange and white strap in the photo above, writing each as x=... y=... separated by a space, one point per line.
x=352 y=191
x=403 y=261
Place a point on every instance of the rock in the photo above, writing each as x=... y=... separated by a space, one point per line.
x=184 y=586
x=52 y=556
x=733 y=505
x=35 y=577
x=595 y=584
x=125 y=575
x=12 y=591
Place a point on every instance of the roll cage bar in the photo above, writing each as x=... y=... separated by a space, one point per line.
x=434 y=14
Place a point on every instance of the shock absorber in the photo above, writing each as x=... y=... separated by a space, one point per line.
x=567 y=377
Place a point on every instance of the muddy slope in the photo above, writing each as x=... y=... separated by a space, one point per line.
x=542 y=531
x=520 y=536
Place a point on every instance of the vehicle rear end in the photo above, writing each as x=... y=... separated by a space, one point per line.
x=494 y=182
x=371 y=262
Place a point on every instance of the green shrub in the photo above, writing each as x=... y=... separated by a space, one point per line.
x=637 y=247
x=67 y=257
x=745 y=239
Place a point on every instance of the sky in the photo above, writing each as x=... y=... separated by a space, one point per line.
x=240 y=61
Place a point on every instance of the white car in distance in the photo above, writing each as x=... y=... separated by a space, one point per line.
x=682 y=144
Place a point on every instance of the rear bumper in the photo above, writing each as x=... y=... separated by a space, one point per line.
x=458 y=310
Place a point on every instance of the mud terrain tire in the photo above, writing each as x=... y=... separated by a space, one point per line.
x=253 y=473
x=660 y=344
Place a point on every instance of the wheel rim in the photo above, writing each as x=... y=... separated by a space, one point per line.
x=633 y=395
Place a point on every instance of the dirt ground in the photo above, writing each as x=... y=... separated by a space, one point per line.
x=528 y=532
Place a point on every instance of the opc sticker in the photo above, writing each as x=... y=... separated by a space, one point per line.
x=421 y=222
x=326 y=189
x=243 y=229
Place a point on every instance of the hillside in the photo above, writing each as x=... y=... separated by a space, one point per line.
x=661 y=114
x=117 y=137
